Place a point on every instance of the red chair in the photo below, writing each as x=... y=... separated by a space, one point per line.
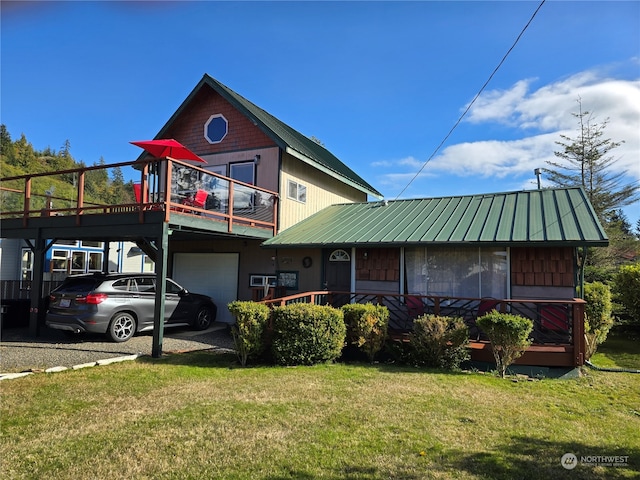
x=487 y=305
x=200 y=199
x=415 y=306
x=137 y=191
x=554 y=318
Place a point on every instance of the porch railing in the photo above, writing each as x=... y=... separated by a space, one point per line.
x=555 y=322
x=164 y=185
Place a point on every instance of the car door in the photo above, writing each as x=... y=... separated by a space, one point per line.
x=178 y=308
x=143 y=293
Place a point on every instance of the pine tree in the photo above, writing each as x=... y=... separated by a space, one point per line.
x=586 y=162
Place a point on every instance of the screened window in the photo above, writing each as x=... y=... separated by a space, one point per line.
x=457 y=271
x=296 y=191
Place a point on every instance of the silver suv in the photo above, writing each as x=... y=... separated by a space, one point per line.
x=121 y=304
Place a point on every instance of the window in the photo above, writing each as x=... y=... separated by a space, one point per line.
x=91 y=243
x=146 y=284
x=59 y=261
x=172 y=287
x=296 y=191
x=67 y=242
x=339 y=256
x=243 y=172
x=219 y=169
x=457 y=271
x=123 y=284
x=26 y=264
x=262 y=280
x=78 y=262
x=95 y=261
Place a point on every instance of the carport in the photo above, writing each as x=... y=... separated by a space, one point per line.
x=157 y=217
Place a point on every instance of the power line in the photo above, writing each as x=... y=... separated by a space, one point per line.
x=472 y=101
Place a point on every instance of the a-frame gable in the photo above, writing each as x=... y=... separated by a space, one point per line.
x=286 y=138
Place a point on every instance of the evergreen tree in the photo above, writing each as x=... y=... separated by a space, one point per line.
x=23 y=153
x=586 y=162
x=6 y=145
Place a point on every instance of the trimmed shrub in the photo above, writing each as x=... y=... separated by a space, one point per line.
x=306 y=334
x=249 y=330
x=366 y=326
x=627 y=291
x=509 y=337
x=439 y=341
x=597 y=315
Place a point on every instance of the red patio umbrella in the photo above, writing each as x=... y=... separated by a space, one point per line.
x=168 y=147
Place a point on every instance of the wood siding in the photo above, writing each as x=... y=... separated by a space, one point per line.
x=546 y=267
x=322 y=191
x=189 y=127
x=378 y=264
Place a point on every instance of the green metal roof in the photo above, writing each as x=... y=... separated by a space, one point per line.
x=283 y=135
x=560 y=216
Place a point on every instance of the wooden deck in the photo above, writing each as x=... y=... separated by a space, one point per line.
x=540 y=355
x=559 y=348
x=228 y=206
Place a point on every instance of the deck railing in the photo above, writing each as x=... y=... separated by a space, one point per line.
x=555 y=322
x=164 y=185
x=21 y=289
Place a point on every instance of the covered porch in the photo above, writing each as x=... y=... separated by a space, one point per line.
x=558 y=325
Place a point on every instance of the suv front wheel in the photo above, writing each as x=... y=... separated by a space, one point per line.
x=204 y=318
x=122 y=327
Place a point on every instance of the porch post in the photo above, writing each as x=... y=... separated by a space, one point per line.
x=352 y=283
x=578 y=332
x=105 y=256
x=36 y=303
x=401 y=290
x=161 y=290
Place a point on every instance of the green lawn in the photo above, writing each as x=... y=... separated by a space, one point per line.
x=201 y=416
x=621 y=350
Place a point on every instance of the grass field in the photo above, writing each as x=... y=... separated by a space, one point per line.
x=201 y=416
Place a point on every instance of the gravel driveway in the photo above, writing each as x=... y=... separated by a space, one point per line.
x=20 y=352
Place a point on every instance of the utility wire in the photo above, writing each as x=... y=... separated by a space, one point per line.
x=472 y=101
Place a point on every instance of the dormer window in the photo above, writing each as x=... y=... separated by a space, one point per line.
x=296 y=191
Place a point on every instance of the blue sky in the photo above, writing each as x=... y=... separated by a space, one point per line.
x=379 y=83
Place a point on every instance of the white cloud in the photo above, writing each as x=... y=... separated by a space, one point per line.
x=538 y=118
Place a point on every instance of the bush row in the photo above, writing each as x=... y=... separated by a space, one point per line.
x=305 y=334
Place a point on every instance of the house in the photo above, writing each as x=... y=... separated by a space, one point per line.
x=257 y=209
x=259 y=176
x=521 y=252
x=241 y=141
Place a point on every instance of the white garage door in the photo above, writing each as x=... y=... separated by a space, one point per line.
x=214 y=274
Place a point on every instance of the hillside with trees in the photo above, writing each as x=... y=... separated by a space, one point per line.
x=19 y=157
